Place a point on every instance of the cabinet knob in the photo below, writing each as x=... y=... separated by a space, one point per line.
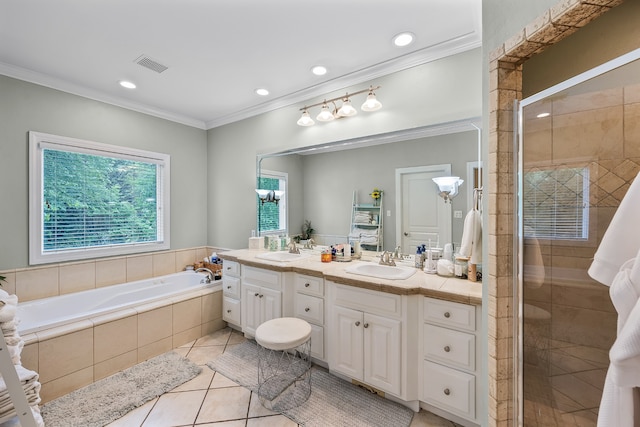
x=447 y=314
x=261 y=295
x=307 y=309
x=256 y=294
x=405 y=233
x=447 y=348
x=229 y=287
x=228 y=311
x=306 y=285
x=357 y=323
x=447 y=391
x=228 y=268
x=366 y=325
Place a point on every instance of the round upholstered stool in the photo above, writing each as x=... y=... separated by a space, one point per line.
x=284 y=363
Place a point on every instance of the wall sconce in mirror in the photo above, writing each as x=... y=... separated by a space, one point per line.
x=448 y=186
x=327 y=113
x=269 y=195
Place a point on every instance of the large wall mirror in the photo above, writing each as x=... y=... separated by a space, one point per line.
x=320 y=183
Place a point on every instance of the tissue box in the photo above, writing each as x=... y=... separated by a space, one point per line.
x=256 y=242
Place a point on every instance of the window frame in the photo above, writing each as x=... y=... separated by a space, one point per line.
x=282 y=203
x=39 y=141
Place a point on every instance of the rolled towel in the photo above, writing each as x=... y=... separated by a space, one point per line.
x=9 y=300
x=7 y=313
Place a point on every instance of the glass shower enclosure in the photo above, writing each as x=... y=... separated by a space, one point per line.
x=578 y=148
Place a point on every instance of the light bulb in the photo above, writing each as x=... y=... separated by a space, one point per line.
x=371 y=104
x=325 y=114
x=305 y=119
x=347 y=109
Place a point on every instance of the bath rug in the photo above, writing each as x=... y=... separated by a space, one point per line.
x=112 y=397
x=333 y=402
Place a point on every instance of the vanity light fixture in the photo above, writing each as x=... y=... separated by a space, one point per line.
x=448 y=186
x=346 y=109
x=269 y=195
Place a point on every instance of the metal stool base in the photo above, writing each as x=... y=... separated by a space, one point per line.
x=284 y=377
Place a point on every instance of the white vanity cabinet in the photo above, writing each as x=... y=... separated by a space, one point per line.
x=262 y=297
x=449 y=353
x=231 y=293
x=309 y=305
x=365 y=337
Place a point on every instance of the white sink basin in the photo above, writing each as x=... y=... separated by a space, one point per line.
x=381 y=271
x=282 y=256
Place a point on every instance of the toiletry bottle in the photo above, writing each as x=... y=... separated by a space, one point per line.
x=419 y=262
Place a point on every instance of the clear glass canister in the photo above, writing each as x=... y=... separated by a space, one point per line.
x=461 y=267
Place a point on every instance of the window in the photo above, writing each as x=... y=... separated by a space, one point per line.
x=272 y=218
x=89 y=200
x=556 y=203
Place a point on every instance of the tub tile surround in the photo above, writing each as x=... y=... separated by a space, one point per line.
x=505 y=86
x=57 y=279
x=72 y=356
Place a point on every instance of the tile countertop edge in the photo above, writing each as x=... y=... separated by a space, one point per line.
x=450 y=289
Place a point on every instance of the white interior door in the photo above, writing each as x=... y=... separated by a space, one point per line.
x=422 y=213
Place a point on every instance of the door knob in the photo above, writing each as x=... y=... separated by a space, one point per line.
x=261 y=296
x=447 y=314
x=228 y=311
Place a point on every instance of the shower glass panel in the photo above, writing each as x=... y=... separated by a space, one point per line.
x=579 y=150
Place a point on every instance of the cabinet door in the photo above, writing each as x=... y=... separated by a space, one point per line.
x=347 y=342
x=250 y=308
x=270 y=304
x=382 y=353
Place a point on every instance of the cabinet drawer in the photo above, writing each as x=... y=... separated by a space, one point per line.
x=317 y=342
x=309 y=285
x=231 y=310
x=450 y=314
x=310 y=308
x=370 y=301
x=231 y=268
x=231 y=286
x=262 y=277
x=449 y=389
x=453 y=348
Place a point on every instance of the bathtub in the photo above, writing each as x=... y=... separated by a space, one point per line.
x=46 y=313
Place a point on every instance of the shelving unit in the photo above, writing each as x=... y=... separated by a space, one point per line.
x=367 y=224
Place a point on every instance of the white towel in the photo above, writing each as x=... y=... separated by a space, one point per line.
x=621 y=241
x=471 y=245
x=620 y=403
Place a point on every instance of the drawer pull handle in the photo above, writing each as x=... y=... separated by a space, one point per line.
x=306 y=285
x=357 y=323
x=447 y=314
x=307 y=309
x=447 y=349
x=447 y=392
x=366 y=325
x=256 y=294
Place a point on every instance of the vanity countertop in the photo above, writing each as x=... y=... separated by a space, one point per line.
x=421 y=283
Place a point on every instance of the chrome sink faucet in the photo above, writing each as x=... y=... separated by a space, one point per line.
x=309 y=244
x=385 y=259
x=293 y=249
x=210 y=276
x=397 y=253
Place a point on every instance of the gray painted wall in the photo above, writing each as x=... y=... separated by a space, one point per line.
x=26 y=106
x=436 y=92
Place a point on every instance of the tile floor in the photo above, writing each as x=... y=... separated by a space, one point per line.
x=210 y=399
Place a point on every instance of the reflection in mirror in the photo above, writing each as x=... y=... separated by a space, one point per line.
x=321 y=180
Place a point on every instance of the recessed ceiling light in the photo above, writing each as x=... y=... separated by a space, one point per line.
x=403 y=39
x=543 y=115
x=262 y=92
x=319 y=70
x=127 y=84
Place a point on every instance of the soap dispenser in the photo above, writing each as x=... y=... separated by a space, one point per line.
x=419 y=260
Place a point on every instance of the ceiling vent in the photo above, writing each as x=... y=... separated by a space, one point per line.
x=151 y=64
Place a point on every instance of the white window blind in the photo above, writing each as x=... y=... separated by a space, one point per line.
x=89 y=199
x=556 y=203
